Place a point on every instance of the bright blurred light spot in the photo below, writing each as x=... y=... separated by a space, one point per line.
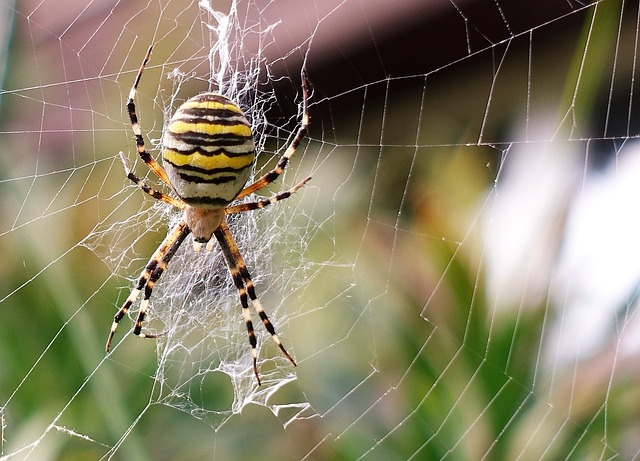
x=562 y=232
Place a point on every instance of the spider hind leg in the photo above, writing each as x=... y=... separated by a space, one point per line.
x=152 y=272
x=244 y=284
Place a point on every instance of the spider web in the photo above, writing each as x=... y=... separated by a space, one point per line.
x=458 y=280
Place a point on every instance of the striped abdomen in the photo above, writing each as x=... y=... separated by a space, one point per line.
x=208 y=151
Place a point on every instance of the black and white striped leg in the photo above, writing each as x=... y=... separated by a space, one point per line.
x=152 y=272
x=268 y=201
x=156 y=194
x=137 y=131
x=244 y=284
x=291 y=150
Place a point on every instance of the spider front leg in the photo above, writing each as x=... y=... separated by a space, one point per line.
x=291 y=150
x=137 y=131
x=244 y=284
x=152 y=272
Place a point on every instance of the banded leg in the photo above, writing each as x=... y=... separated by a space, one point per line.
x=291 y=150
x=156 y=194
x=137 y=131
x=268 y=201
x=152 y=272
x=244 y=284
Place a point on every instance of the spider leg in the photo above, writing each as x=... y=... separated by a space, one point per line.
x=150 y=275
x=291 y=150
x=263 y=203
x=242 y=292
x=148 y=190
x=137 y=131
x=244 y=284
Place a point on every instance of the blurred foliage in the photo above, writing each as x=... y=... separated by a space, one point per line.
x=401 y=349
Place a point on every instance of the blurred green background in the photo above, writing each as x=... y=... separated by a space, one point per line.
x=410 y=343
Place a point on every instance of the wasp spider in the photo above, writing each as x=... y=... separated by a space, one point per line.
x=208 y=152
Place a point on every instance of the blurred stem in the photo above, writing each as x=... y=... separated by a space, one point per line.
x=61 y=281
x=591 y=62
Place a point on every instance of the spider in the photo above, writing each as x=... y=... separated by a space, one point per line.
x=208 y=153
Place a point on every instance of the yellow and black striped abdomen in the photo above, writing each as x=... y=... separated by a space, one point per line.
x=208 y=151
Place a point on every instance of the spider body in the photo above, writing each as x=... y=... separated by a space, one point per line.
x=208 y=151
x=208 y=154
